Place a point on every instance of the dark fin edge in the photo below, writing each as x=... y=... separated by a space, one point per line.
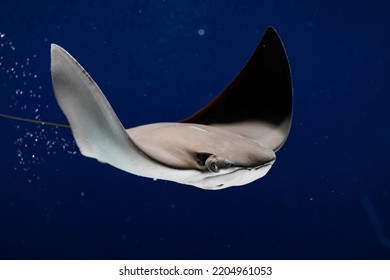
x=262 y=91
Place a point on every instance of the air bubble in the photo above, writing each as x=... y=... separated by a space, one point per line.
x=201 y=32
x=32 y=144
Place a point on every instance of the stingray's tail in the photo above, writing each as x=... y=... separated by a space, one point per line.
x=39 y=122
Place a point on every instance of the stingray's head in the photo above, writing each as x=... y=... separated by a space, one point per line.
x=203 y=156
x=236 y=169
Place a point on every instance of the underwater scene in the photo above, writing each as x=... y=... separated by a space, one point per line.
x=327 y=195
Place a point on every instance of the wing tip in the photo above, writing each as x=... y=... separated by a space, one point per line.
x=54 y=49
x=55 y=54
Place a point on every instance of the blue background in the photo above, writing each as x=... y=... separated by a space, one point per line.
x=326 y=197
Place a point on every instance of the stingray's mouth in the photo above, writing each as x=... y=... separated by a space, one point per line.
x=263 y=165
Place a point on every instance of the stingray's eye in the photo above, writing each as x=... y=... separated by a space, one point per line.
x=212 y=164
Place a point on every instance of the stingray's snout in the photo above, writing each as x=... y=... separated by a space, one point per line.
x=265 y=158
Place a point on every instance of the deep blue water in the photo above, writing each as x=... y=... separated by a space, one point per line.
x=326 y=197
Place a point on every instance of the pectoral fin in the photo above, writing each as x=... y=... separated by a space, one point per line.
x=258 y=102
x=96 y=128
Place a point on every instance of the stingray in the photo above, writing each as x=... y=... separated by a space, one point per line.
x=231 y=141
